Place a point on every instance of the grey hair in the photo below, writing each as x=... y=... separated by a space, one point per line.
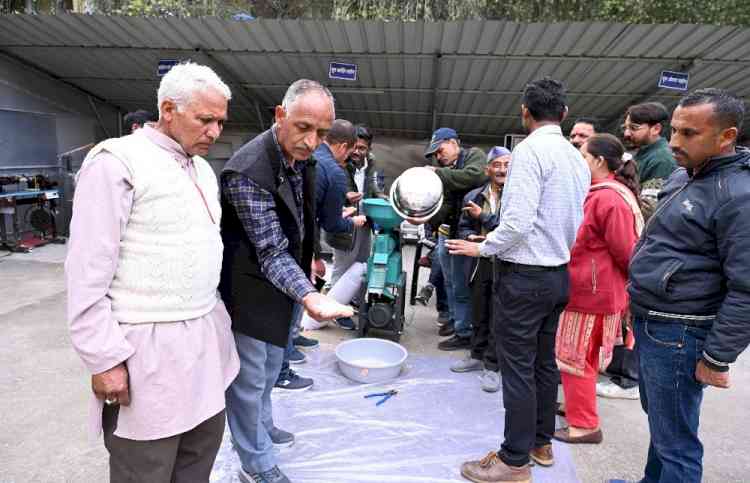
x=183 y=80
x=304 y=86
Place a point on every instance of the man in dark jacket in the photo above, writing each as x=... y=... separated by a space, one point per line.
x=479 y=217
x=268 y=229
x=689 y=292
x=460 y=170
x=347 y=245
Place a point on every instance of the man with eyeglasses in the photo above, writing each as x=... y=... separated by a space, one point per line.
x=643 y=127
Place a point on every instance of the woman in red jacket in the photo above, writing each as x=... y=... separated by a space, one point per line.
x=592 y=321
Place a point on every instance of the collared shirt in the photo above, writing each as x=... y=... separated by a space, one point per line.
x=542 y=202
x=256 y=208
x=178 y=371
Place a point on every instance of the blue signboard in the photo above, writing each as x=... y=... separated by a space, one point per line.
x=337 y=70
x=165 y=65
x=674 y=80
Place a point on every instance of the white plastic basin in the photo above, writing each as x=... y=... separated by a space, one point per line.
x=370 y=360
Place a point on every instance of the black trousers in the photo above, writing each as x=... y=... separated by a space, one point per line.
x=527 y=308
x=483 y=346
x=624 y=367
x=184 y=458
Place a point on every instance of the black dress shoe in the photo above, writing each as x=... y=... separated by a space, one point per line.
x=447 y=329
x=455 y=343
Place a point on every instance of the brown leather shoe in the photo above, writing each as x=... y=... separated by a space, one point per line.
x=491 y=469
x=543 y=455
x=592 y=438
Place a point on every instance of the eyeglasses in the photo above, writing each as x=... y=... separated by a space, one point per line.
x=632 y=127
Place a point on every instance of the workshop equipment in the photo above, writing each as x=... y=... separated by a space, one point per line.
x=382 y=302
x=28 y=208
x=384 y=395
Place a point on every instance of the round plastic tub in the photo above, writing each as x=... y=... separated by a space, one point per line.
x=370 y=360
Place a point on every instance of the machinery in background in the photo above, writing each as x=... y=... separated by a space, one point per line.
x=28 y=211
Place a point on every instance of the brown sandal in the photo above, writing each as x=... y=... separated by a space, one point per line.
x=563 y=435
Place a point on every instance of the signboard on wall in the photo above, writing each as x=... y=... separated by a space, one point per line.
x=339 y=70
x=677 y=81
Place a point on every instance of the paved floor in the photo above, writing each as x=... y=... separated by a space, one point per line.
x=44 y=393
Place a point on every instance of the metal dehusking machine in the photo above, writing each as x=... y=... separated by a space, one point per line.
x=416 y=195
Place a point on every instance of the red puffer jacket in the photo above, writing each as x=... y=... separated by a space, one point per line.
x=601 y=254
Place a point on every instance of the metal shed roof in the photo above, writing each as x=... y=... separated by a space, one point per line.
x=412 y=76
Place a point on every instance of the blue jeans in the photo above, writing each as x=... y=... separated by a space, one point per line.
x=249 y=411
x=671 y=396
x=455 y=273
x=297 y=312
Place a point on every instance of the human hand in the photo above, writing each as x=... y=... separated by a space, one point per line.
x=705 y=375
x=359 y=220
x=475 y=238
x=353 y=197
x=472 y=209
x=112 y=385
x=317 y=268
x=323 y=308
x=348 y=211
x=462 y=247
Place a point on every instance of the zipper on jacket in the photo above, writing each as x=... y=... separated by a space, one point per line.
x=651 y=220
x=593 y=276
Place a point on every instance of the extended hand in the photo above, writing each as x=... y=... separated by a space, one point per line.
x=318 y=268
x=473 y=209
x=359 y=220
x=112 y=385
x=323 y=308
x=353 y=197
x=713 y=378
x=462 y=247
x=348 y=211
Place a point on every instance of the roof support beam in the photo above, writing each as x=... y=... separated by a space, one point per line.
x=435 y=83
x=391 y=55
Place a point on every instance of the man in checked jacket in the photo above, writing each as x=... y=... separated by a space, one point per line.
x=268 y=198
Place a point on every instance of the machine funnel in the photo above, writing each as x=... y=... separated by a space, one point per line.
x=382 y=213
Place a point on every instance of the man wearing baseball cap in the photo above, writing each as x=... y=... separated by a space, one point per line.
x=461 y=170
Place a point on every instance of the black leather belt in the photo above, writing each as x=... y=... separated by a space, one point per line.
x=509 y=267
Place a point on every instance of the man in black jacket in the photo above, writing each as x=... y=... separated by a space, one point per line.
x=268 y=229
x=689 y=291
x=479 y=217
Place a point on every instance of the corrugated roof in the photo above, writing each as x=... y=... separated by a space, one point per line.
x=467 y=74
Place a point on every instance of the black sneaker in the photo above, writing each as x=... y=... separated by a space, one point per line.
x=447 y=329
x=455 y=343
x=305 y=342
x=291 y=381
x=346 y=323
x=296 y=356
x=274 y=475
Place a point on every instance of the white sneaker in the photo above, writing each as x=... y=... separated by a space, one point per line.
x=467 y=364
x=490 y=381
x=613 y=391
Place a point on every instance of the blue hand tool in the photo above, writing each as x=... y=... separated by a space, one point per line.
x=385 y=395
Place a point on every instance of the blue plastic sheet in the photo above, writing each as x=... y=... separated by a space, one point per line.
x=437 y=421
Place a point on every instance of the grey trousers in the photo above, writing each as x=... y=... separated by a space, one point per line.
x=184 y=458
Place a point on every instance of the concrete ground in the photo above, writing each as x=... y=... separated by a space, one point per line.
x=45 y=391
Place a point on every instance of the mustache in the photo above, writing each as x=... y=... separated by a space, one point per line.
x=676 y=151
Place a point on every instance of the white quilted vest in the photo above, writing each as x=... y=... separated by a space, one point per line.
x=170 y=253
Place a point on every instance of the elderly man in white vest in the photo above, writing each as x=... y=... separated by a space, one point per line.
x=142 y=271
